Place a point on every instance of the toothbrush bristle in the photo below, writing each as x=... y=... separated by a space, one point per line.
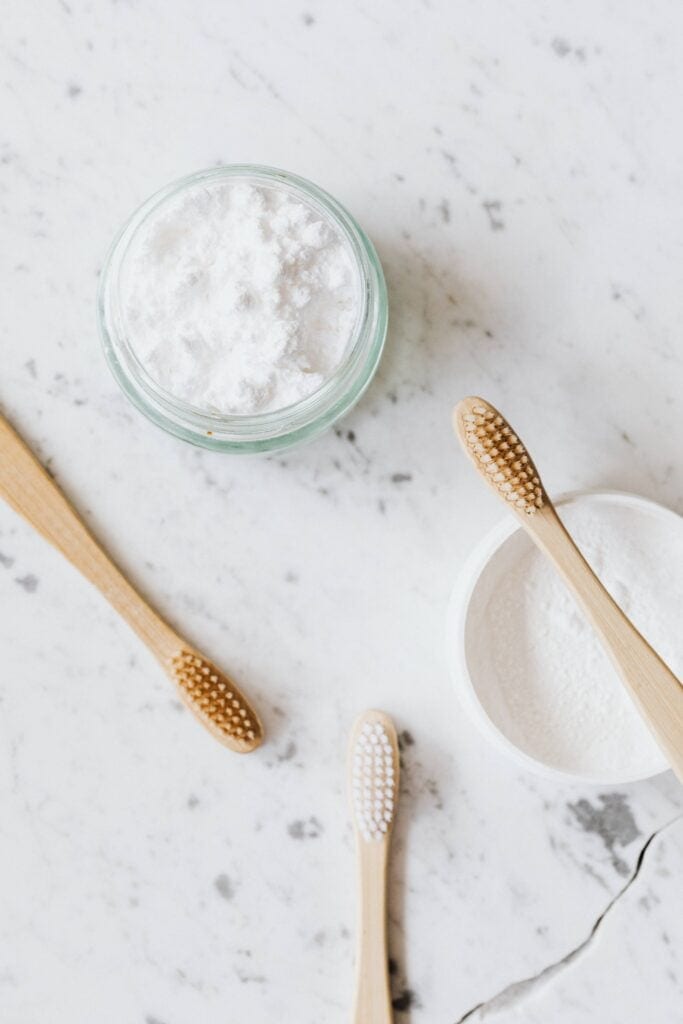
x=499 y=455
x=216 y=701
x=374 y=781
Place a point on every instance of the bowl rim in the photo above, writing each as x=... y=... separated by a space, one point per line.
x=456 y=621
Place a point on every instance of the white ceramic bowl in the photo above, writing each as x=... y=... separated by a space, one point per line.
x=485 y=553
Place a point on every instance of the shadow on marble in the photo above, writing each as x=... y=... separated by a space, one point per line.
x=436 y=320
x=421 y=798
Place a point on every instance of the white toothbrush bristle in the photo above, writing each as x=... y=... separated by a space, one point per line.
x=373 y=782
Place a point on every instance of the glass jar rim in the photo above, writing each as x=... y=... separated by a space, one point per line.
x=263 y=431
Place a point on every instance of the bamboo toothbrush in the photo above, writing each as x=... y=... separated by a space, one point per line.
x=374 y=794
x=211 y=696
x=505 y=464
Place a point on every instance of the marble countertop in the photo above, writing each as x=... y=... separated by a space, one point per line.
x=519 y=169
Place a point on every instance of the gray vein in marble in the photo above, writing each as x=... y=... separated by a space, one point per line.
x=493 y=208
x=309 y=828
x=225 y=887
x=29 y=582
x=514 y=994
x=611 y=820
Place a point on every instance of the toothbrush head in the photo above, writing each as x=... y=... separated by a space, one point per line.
x=499 y=455
x=374 y=772
x=216 y=701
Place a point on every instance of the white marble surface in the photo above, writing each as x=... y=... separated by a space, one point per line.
x=519 y=167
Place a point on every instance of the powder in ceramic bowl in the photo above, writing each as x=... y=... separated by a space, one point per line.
x=536 y=665
x=239 y=297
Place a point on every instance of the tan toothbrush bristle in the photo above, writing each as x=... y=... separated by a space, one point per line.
x=374 y=776
x=216 y=701
x=499 y=455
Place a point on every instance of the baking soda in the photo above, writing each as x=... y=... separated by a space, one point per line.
x=536 y=664
x=239 y=298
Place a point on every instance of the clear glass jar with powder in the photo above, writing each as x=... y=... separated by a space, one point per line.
x=275 y=428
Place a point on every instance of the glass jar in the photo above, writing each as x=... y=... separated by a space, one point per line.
x=258 y=432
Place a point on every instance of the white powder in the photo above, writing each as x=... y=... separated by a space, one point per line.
x=239 y=298
x=535 y=662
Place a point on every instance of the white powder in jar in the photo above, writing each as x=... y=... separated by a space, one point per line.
x=534 y=660
x=239 y=297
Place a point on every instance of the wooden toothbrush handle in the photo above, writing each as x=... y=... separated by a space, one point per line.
x=654 y=688
x=373 y=998
x=28 y=489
